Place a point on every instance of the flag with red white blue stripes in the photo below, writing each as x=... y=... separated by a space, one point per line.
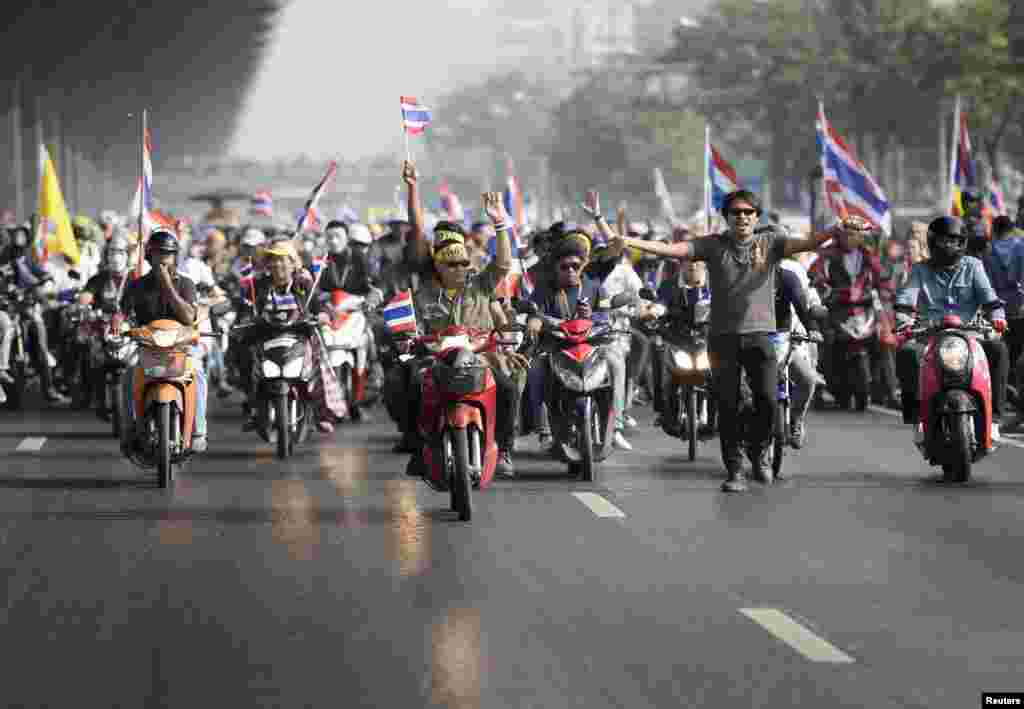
x=849 y=187
x=310 y=214
x=262 y=204
x=415 y=117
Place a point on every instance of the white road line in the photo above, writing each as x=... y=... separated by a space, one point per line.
x=795 y=635
x=31 y=444
x=1004 y=439
x=598 y=505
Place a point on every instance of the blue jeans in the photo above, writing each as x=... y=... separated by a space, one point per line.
x=128 y=400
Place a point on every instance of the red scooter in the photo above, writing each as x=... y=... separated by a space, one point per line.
x=457 y=418
x=956 y=396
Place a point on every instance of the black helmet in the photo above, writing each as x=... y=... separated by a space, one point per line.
x=162 y=241
x=947 y=240
x=970 y=196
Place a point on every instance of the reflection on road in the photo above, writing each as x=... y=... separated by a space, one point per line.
x=293 y=519
x=456 y=660
x=408 y=532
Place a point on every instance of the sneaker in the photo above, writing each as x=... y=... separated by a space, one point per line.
x=629 y=421
x=996 y=437
x=5 y=377
x=919 y=436
x=619 y=441
x=797 y=433
x=735 y=482
x=505 y=467
x=55 y=397
x=198 y=444
x=325 y=427
x=761 y=464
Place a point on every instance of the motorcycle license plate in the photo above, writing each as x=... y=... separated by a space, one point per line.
x=166 y=365
x=280 y=342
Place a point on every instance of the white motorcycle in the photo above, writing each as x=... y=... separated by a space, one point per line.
x=346 y=333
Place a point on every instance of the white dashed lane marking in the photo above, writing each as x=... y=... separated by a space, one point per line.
x=31 y=444
x=598 y=505
x=796 y=636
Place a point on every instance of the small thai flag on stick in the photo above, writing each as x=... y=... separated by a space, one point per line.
x=400 y=314
x=415 y=118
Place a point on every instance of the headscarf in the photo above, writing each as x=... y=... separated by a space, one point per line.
x=449 y=243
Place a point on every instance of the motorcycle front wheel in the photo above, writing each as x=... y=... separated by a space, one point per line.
x=283 y=429
x=586 y=444
x=957 y=469
x=691 y=419
x=164 y=466
x=462 y=492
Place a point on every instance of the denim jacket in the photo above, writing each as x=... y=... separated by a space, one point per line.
x=960 y=291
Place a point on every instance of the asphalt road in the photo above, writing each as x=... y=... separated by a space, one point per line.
x=334 y=580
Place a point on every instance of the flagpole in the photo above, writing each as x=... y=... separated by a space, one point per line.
x=954 y=152
x=142 y=191
x=405 y=134
x=707 y=178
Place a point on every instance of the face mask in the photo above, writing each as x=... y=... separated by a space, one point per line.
x=118 y=262
x=336 y=241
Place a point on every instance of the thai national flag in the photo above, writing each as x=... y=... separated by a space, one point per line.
x=996 y=200
x=400 y=314
x=963 y=174
x=415 y=117
x=309 y=212
x=262 y=204
x=317 y=265
x=849 y=187
x=285 y=302
x=721 y=177
x=143 y=199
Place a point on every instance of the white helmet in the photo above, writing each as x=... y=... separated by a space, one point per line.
x=360 y=234
x=253 y=237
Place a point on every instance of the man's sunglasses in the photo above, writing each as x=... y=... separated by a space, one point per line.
x=743 y=212
x=571 y=266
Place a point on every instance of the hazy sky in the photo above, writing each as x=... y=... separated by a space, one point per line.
x=335 y=70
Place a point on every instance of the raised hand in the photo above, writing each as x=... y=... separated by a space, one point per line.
x=409 y=175
x=493 y=206
x=592 y=204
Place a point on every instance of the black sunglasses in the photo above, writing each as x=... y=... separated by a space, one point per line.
x=742 y=212
x=571 y=266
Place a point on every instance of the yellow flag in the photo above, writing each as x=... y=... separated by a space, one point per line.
x=52 y=209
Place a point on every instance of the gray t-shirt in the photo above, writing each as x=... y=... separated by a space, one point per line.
x=742 y=299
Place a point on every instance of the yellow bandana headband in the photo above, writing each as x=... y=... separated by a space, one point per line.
x=451 y=253
x=451 y=247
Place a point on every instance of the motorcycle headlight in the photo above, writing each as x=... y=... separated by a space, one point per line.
x=682 y=359
x=570 y=379
x=293 y=369
x=953 y=354
x=271 y=370
x=596 y=376
x=703 y=362
x=165 y=338
x=125 y=352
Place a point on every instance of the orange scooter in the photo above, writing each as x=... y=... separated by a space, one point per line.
x=163 y=397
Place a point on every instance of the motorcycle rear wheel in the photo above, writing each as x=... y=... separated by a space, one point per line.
x=16 y=391
x=115 y=408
